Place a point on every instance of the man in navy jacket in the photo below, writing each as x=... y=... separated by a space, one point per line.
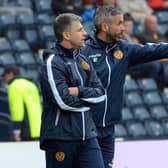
x=69 y=87
x=111 y=58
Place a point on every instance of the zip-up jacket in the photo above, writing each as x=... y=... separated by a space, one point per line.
x=67 y=117
x=111 y=62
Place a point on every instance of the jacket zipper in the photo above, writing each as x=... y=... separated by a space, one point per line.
x=57 y=117
x=108 y=83
x=83 y=114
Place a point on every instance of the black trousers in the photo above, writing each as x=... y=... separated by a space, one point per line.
x=75 y=154
x=107 y=145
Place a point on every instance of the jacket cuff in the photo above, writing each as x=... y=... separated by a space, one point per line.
x=80 y=94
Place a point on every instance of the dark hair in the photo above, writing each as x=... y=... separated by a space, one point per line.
x=63 y=22
x=11 y=68
x=128 y=17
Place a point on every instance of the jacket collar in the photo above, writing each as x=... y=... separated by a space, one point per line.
x=61 y=51
x=72 y=53
x=100 y=44
x=17 y=77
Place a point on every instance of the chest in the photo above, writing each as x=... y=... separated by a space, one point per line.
x=104 y=62
x=110 y=66
x=78 y=72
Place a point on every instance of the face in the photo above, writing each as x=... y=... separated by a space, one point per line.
x=77 y=35
x=151 y=25
x=115 y=28
x=8 y=76
x=128 y=27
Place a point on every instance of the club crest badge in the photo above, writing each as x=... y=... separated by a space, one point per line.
x=118 y=54
x=85 y=65
x=60 y=156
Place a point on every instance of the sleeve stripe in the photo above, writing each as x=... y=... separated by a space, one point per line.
x=95 y=99
x=57 y=97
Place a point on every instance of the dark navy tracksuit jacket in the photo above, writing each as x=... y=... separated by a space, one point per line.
x=111 y=62
x=66 y=117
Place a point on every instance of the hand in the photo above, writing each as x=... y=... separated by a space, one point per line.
x=74 y=91
x=17 y=136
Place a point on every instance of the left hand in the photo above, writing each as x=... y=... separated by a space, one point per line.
x=74 y=91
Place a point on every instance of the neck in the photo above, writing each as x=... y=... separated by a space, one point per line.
x=66 y=44
x=102 y=36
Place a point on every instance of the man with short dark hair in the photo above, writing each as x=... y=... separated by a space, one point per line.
x=69 y=87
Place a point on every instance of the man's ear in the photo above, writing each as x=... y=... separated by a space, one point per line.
x=104 y=27
x=66 y=35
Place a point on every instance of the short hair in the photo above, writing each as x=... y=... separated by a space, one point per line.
x=128 y=17
x=105 y=14
x=11 y=68
x=63 y=22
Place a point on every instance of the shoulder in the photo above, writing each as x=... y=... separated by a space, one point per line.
x=126 y=44
x=52 y=55
x=83 y=56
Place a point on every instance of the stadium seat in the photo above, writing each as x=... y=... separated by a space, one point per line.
x=136 y=130
x=32 y=74
x=3 y=2
x=46 y=32
x=152 y=98
x=141 y=113
x=163 y=29
x=1 y=71
x=147 y=84
x=13 y=34
x=21 y=46
x=44 y=19
x=7 y=59
x=154 y=128
x=120 y=131
x=38 y=59
x=158 y=112
x=10 y=3
x=133 y=99
x=25 y=20
x=26 y=59
x=130 y=85
x=25 y=3
x=5 y=45
x=42 y=6
x=126 y=114
x=32 y=37
x=7 y=21
x=162 y=16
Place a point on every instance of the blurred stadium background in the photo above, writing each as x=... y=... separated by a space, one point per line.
x=26 y=29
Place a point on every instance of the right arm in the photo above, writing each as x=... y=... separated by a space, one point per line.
x=16 y=106
x=139 y=54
